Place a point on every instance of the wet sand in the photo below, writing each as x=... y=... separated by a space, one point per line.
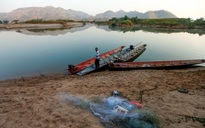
x=34 y=101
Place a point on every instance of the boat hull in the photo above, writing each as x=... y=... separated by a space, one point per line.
x=130 y=54
x=83 y=65
x=155 y=64
x=104 y=62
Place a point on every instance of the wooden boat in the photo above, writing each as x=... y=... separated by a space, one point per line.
x=83 y=65
x=104 y=62
x=127 y=54
x=131 y=53
x=155 y=64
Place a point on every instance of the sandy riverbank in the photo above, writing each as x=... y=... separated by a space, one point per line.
x=35 y=102
x=41 y=26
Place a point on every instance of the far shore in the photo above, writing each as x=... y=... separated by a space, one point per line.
x=41 y=26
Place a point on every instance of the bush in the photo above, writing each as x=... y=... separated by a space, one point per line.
x=126 y=22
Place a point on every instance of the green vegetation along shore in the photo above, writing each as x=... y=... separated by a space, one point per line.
x=176 y=23
x=42 y=24
x=124 y=22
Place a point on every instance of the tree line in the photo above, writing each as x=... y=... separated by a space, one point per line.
x=164 y=22
x=41 y=21
x=129 y=22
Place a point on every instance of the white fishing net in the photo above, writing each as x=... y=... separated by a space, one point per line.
x=113 y=112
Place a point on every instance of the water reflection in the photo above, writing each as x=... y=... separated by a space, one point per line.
x=62 y=31
x=51 y=31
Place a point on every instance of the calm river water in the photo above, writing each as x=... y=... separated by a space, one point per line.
x=34 y=52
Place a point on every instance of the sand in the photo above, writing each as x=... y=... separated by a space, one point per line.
x=35 y=101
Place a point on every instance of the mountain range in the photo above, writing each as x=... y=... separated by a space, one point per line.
x=52 y=13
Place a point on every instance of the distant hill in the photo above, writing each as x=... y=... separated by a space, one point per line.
x=146 y=15
x=52 y=13
x=47 y=13
x=159 y=14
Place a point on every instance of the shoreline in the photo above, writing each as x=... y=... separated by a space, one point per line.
x=34 y=101
x=62 y=75
x=41 y=26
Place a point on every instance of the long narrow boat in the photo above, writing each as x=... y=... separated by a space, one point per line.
x=83 y=65
x=124 y=55
x=131 y=53
x=155 y=64
x=104 y=62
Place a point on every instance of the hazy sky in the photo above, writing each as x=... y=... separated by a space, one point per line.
x=181 y=8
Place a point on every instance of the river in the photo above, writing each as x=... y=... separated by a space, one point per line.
x=30 y=52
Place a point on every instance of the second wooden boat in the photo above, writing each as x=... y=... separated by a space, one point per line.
x=131 y=53
x=155 y=64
